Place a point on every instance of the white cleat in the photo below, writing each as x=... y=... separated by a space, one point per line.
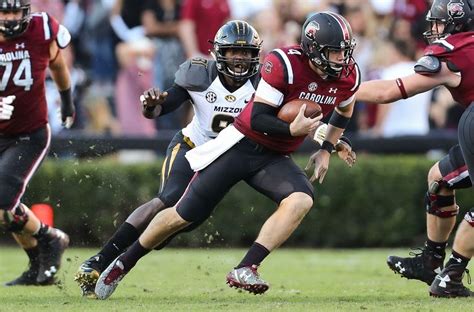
x=109 y=279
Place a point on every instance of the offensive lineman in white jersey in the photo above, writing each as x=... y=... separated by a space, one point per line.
x=219 y=90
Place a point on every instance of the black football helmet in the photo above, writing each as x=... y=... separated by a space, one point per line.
x=13 y=28
x=237 y=35
x=456 y=15
x=324 y=32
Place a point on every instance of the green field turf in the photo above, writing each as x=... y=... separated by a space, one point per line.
x=193 y=280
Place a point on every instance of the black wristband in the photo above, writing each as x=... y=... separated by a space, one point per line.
x=327 y=146
x=67 y=107
x=339 y=121
x=346 y=139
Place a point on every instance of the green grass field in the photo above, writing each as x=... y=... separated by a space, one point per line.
x=193 y=280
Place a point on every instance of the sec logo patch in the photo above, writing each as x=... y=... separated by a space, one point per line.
x=211 y=97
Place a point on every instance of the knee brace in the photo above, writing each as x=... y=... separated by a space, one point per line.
x=15 y=219
x=469 y=217
x=435 y=202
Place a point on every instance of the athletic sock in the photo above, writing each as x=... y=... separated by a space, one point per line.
x=42 y=234
x=458 y=260
x=125 y=235
x=132 y=255
x=254 y=256
x=33 y=254
x=437 y=248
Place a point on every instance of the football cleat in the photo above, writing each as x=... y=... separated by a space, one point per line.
x=51 y=251
x=27 y=278
x=109 y=279
x=448 y=284
x=88 y=274
x=247 y=278
x=422 y=266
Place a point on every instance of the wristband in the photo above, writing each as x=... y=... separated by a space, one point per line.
x=67 y=106
x=327 y=146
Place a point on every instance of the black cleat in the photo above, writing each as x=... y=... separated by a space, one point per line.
x=51 y=251
x=88 y=274
x=27 y=278
x=422 y=266
x=448 y=284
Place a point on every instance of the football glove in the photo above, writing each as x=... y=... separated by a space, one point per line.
x=6 y=109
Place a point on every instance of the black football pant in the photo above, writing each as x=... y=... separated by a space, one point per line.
x=20 y=157
x=466 y=138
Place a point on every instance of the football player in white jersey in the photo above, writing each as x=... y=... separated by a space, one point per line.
x=219 y=89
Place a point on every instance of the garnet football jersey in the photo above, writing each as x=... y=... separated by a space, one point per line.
x=286 y=76
x=458 y=50
x=23 y=63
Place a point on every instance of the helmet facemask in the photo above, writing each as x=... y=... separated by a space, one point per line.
x=238 y=68
x=13 y=28
x=433 y=33
x=319 y=56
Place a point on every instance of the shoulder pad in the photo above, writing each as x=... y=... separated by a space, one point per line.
x=427 y=64
x=196 y=74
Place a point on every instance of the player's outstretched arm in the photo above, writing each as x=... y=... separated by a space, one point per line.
x=156 y=103
x=60 y=74
x=387 y=91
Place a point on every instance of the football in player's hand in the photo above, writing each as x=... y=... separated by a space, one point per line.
x=289 y=110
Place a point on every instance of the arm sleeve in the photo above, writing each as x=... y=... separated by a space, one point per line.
x=176 y=96
x=264 y=119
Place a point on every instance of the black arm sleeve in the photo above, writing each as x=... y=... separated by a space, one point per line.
x=176 y=96
x=264 y=119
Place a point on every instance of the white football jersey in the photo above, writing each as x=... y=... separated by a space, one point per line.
x=214 y=109
x=214 y=106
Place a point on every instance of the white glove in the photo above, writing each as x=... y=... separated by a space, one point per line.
x=6 y=109
x=320 y=133
x=66 y=123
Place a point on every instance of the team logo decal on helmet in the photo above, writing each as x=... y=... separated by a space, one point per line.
x=456 y=9
x=267 y=67
x=311 y=29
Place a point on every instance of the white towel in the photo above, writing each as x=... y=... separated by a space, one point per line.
x=201 y=156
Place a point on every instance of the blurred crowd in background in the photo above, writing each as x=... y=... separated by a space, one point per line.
x=123 y=47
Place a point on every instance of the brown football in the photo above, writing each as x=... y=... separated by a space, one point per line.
x=289 y=110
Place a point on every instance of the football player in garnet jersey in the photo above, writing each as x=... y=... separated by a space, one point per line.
x=29 y=45
x=256 y=149
x=219 y=90
x=449 y=62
